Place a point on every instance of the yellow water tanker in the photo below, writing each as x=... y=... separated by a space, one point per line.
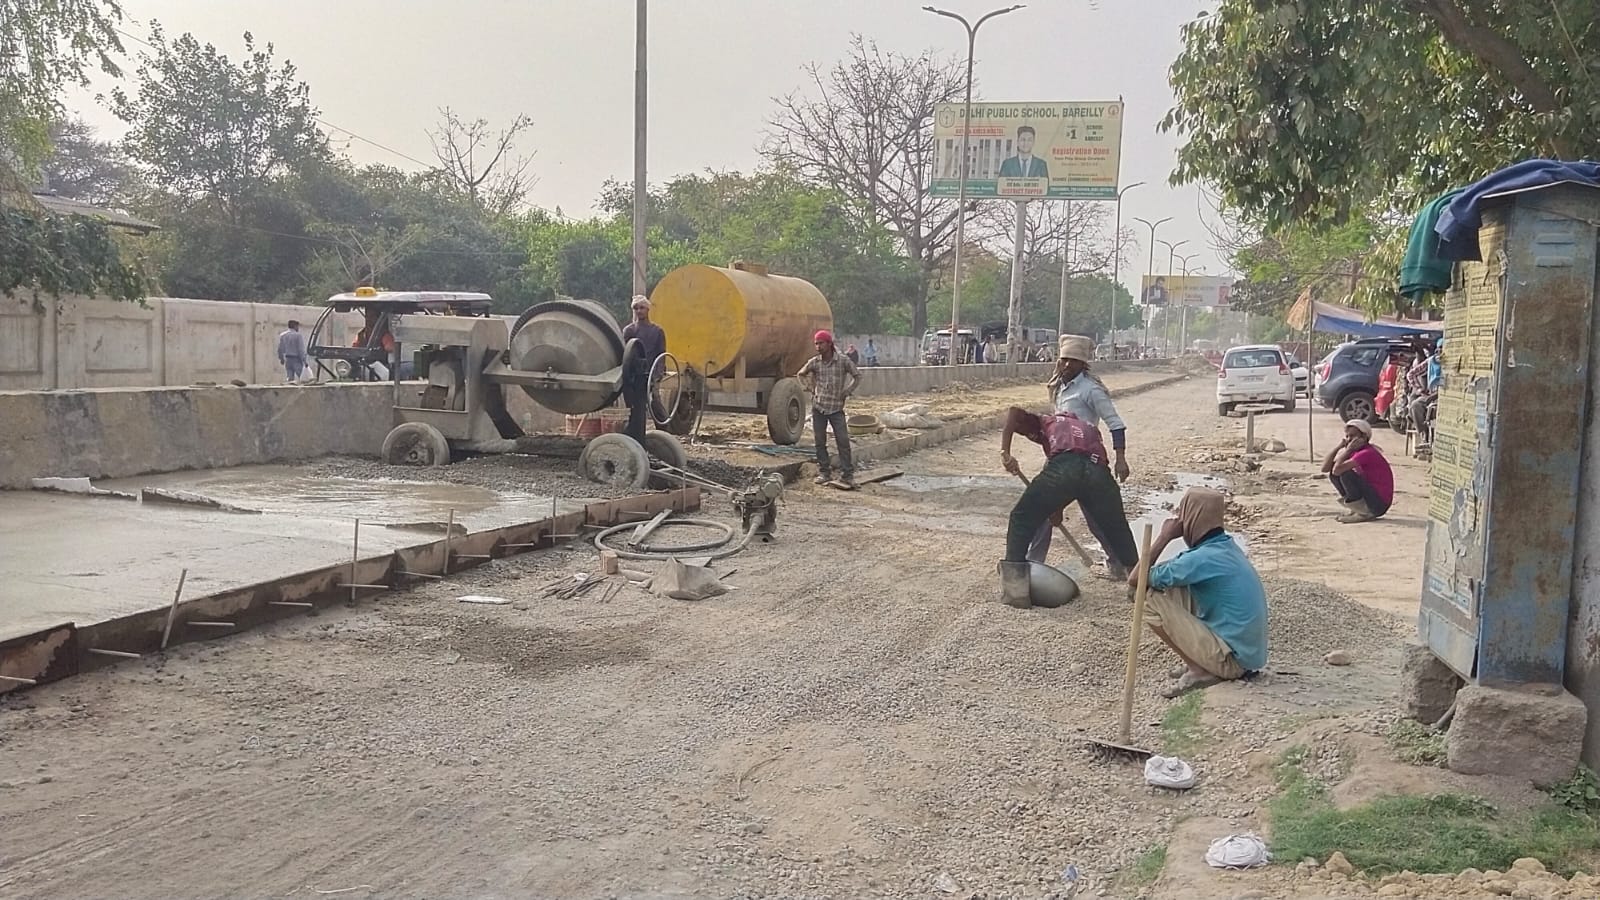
x=738 y=336
x=739 y=321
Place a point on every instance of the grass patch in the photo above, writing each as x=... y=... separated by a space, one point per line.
x=1441 y=833
x=1147 y=868
x=1180 y=726
x=1416 y=743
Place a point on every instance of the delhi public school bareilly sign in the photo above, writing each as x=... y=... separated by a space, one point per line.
x=1022 y=151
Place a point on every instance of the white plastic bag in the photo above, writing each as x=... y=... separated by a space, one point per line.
x=1237 y=851
x=1168 y=772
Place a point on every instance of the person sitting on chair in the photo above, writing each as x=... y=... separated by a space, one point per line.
x=1207 y=604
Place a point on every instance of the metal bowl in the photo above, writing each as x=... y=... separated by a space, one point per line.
x=1050 y=587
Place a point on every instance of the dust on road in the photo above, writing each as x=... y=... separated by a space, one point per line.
x=859 y=717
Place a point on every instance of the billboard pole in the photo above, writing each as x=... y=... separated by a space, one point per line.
x=1014 y=309
x=1066 y=256
x=961 y=178
x=1166 y=314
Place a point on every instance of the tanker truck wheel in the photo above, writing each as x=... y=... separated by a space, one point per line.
x=690 y=388
x=416 y=444
x=786 y=411
x=617 y=460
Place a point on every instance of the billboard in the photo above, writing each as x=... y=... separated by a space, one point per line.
x=1021 y=151
x=1185 y=290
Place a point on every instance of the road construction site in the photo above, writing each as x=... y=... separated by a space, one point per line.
x=856 y=716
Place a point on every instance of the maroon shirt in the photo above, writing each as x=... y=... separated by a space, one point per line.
x=1060 y=433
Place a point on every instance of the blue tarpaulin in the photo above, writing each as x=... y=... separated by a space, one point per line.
x=1334 y=319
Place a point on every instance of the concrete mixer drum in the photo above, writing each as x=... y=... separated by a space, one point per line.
x=568 y=347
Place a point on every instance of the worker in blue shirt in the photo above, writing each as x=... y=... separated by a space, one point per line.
x=1207 y=603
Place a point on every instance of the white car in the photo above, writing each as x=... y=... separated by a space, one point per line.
x=1302 y=376
x=1254 y=374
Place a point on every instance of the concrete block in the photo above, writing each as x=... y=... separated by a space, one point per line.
x=1427 y=685
x=1533 y=731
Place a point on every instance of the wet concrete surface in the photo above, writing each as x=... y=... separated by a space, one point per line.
x=88 y=559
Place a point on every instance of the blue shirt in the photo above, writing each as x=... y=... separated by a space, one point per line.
x=1088 y=399
x=1227 y=592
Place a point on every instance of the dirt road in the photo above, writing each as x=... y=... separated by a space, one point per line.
x=859 y=717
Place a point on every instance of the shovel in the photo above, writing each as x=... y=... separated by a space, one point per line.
x=1121 y=748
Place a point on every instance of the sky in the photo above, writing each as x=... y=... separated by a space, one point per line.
x=382 y=68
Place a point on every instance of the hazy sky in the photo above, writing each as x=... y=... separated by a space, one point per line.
x=381 y=68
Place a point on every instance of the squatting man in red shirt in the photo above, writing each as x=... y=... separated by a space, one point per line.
x=1360 y=474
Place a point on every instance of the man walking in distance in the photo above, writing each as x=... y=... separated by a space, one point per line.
x=831 y=378
x=636 y=381
x=292 y=351
x=1073 y=389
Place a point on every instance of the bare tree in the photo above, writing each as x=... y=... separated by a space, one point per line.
x=864 y=127
x=1079 y=232
x=480 y=163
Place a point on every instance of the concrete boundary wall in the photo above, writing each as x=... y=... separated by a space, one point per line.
x=135 y=431
x=78 y=342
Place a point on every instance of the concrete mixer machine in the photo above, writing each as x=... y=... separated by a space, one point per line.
x=738 y=335
x=567 y=355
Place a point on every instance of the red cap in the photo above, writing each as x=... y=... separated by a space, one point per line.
x=823 y=335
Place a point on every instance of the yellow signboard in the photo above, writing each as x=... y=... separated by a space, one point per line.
x=1021 y=151
x=1186 y=290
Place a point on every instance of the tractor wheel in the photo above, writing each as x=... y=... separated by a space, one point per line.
x=617 y=460
x=416 y=444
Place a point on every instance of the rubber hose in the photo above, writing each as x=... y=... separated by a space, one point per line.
x=599 y=541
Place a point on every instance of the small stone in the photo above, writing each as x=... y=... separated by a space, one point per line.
x=1527 y=864
x=755 y=828
x=1338 y=865
x=1393 y=890
x=1338 y=658
x=45 y=779
x=1499 y=886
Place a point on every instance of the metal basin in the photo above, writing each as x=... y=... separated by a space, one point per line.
x=1050 y=587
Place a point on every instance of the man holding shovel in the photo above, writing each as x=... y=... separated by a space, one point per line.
x=1207 y=603
x=1076 y=470
x=1073 y=389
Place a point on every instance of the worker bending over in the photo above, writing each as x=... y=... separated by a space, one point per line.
x=1073 y=389
x=636 y=381
x=1207 y=603
x=1075 y=470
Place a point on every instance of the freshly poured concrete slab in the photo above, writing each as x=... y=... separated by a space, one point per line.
x=88 y=559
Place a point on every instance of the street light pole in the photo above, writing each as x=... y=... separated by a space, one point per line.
x=1183 y=314
x=1166 y=318
x=1116 y=264
x=965 y=164
x=641 y=198
x=1149 y=271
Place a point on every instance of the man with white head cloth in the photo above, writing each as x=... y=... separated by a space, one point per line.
x=1073 y=389
x=636 y=381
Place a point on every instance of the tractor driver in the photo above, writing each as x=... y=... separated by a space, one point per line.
x=636 y=381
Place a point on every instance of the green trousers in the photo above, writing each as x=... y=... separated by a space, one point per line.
x=1068 y=477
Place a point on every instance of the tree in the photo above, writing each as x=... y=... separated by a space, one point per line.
x=210 y=130
x=868 y=134
x=476 y=161
x=82 y=167
x=791 y=226
x=44 y=47
x=1315 y=110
